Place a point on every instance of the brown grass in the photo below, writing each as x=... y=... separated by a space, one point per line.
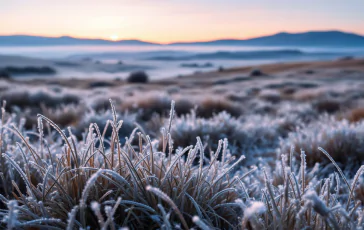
x=211 y=106
x=327 y=105
x=355 y=115
x=270 y=96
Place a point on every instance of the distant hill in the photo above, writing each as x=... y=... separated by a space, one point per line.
x=26 y=40
x=313 y=38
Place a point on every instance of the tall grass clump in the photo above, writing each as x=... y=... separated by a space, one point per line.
x=101 y=119
x=299 y=200
x=342 y=139
x=58 y=182
x=253 y=136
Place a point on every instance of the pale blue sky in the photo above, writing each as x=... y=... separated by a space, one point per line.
x=177 y=20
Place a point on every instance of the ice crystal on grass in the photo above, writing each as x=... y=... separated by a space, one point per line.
x=149 y=183
x=188 y=178
x=343 y=140
x=251 y=136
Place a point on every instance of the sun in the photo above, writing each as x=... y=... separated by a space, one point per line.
x=114 y=37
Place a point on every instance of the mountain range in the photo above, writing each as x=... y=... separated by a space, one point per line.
x=311 y=38
x=27 y=40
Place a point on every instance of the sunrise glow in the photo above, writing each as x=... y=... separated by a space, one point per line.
x=114 y=37
x=171 y=21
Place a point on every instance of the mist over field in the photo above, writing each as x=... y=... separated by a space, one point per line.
x=192 y=122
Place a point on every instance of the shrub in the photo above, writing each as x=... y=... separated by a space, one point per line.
x=96 y=84
x=252 y=135
x=253 y=91
x=256 y=73
x=238 y=97
x=173 y=90
x=329 y=106
x=270 y=95
x=148 y=104
x=210 y=106
x=183 y=106
x=14 y=70
x=26 y=99
x=151 y=104
x=138 y=77
x=355 y=115
x=65 y=115
x=101 y=119
x=4 y=75
x=289 y=90
x=308 y=95
x=102 y=103
x=309 y=71
x=303 y=112
x=261 y=107
x=342 y=140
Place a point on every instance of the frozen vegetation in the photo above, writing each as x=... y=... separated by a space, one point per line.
x=279 y=151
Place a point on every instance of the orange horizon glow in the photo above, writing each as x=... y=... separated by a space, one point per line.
x=161 y=40
x=165 y=22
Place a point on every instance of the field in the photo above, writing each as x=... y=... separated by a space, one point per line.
x=277 y=146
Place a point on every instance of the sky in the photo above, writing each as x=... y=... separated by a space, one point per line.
x=167 y=21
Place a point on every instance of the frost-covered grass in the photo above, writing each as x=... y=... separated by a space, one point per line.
x=52 y=180
x=24 y=98
x=342 y=139
x=252 y=136
x=229 y=159
x=98 y=182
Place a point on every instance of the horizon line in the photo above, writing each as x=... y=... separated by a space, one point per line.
x=179 y=41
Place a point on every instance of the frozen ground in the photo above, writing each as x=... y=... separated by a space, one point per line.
x=161 y=62
x=188 y=172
